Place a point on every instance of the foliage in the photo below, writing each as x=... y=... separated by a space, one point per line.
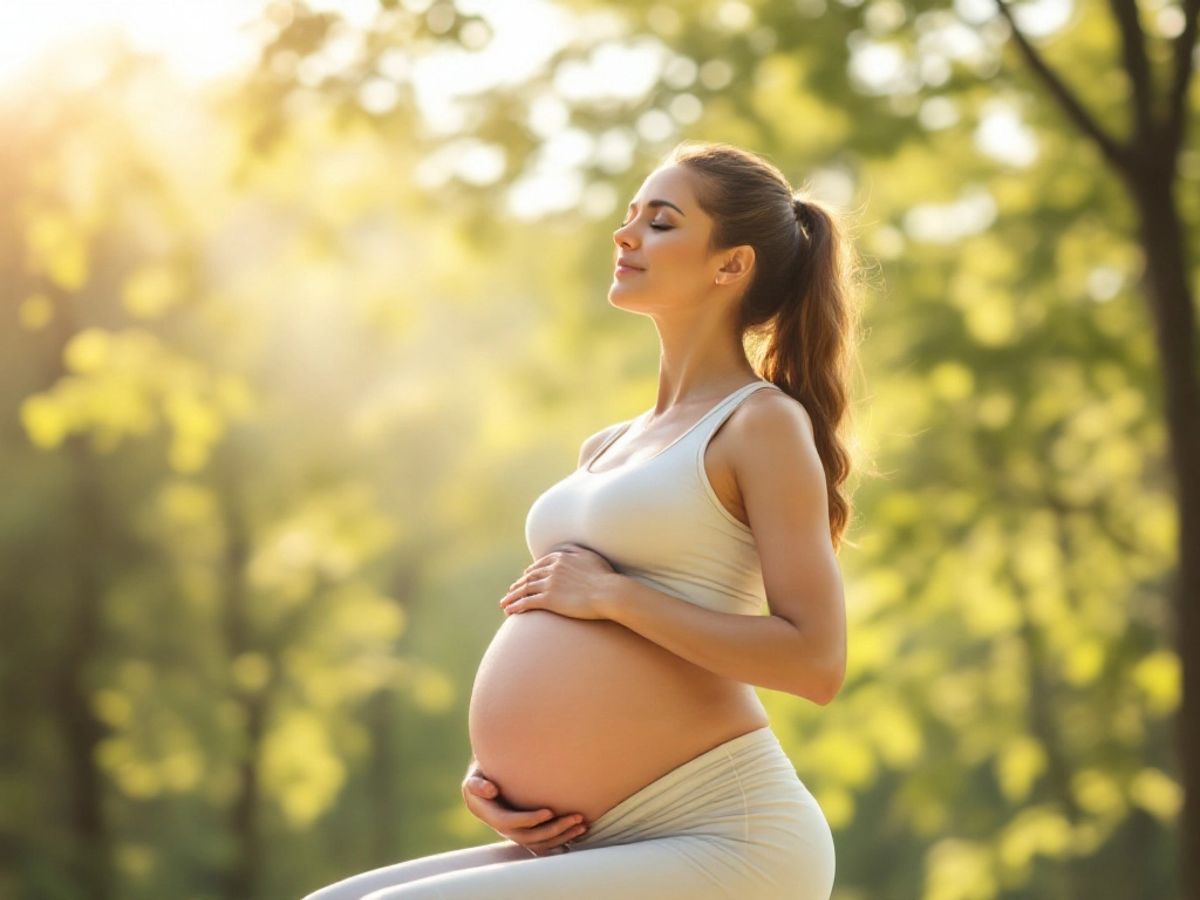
x=279 y=403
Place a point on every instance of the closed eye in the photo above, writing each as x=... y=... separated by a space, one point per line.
x=654 y=226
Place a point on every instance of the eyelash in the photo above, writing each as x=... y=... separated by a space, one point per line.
x=652 y=225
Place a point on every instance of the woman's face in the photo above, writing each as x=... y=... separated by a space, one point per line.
x=669 y=244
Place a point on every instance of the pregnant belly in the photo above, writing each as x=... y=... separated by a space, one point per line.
x=575 y=715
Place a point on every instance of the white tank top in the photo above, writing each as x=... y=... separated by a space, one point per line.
x=658 y=519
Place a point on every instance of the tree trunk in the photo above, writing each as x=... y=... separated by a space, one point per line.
x=81 y=729
x=1042 y=725
x=1171 y=305
x=244 y=870
x=384 y=799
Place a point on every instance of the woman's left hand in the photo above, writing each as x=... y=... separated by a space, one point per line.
x=569 y=580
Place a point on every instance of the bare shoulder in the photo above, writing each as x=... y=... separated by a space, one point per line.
x=593 y=442
x=769 y=431
x=775 y=415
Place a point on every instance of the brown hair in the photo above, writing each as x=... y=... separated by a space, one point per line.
x=800 y=307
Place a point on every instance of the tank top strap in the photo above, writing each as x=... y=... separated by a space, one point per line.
x=722 y=411
x=618 y=429
x=713 y=419
x=700 y=430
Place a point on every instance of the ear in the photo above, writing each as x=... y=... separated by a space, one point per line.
x=738 y=264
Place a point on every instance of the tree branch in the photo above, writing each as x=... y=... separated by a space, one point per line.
x=1176 y=121
x=1112 y=150
x=1133 y=51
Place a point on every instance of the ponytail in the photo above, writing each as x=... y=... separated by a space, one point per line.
x=800 y=308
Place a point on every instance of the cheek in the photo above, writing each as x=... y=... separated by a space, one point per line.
x=679 y=259
x=688 y=273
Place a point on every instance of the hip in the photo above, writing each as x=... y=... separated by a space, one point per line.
x=740 y=803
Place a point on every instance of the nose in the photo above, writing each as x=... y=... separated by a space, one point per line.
x=621 y=235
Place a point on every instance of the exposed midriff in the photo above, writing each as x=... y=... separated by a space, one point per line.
x=577 y=714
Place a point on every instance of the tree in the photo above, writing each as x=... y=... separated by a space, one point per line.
x=1147 y=162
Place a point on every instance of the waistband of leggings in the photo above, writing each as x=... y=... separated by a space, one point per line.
x=750 y=744
x=753 y=744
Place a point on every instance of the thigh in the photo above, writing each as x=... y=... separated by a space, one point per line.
x=680 y=867
x=356 y=886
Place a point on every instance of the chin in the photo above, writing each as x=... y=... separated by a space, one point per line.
x=622 y=298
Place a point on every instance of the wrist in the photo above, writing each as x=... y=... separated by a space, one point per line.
x=610 y=593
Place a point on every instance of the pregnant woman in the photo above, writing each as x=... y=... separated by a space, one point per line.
x=620 y=687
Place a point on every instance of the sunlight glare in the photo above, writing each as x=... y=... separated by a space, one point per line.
x=199 y=41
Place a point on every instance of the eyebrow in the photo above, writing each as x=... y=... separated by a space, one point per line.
x=653 y=203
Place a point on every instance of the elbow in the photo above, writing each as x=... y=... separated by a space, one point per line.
x=827 y=698
x=829 y=687
x=822 y=669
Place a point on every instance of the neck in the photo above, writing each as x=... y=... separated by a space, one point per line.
x=699 y=368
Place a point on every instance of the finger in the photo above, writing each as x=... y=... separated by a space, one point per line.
x=527 y=600
x=522 y=821
x=539 y=562
x=517 y=588
x=557 y=841
x=481 y=787
x=500 y=817
x=555 y=828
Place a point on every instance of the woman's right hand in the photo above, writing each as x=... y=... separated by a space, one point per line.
x=539 y=830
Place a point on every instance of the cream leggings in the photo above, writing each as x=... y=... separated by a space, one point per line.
x=734 y=822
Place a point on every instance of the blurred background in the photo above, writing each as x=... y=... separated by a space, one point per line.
x=304 y=303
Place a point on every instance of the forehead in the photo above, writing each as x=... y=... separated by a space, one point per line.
x=668 y=183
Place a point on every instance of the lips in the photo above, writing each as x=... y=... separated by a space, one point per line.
x=623 y=264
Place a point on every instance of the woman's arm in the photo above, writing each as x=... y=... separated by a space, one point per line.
x=768 y=651
x=801 y=647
